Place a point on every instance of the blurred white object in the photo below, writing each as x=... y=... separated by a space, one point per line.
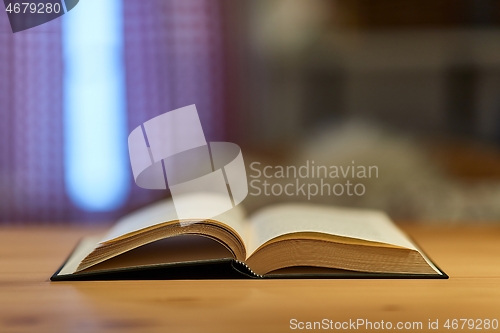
x=410 y=184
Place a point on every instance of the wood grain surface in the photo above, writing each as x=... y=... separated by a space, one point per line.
x=29 y=302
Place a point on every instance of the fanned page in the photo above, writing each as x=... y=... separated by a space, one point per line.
x=164 y=211
x=352 y=224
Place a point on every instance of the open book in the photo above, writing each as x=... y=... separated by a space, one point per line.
x=285 y=240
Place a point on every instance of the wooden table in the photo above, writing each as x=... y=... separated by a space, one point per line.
x=30 y=302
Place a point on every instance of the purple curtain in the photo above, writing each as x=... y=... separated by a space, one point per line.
x=31 y=142
x=173 y=56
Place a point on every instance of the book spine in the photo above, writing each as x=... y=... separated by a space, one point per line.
x=248 y=270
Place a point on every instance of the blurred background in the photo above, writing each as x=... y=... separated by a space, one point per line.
x=412 y=87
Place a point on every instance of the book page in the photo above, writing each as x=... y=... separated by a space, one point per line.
x=86 y=246
x=368 y=225
x=164 y=211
